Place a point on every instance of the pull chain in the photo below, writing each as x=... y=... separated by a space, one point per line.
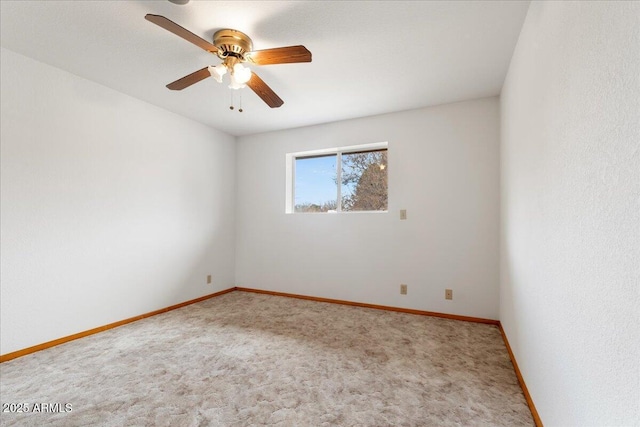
x=231 y=107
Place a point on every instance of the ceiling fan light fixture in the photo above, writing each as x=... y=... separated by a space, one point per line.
x=218 y=72
x=235 y=84
x=241 y=73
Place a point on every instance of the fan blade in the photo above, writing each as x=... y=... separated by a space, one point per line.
x=176 y=29
x=280 y=55
x=263 y=91
x=192 y=78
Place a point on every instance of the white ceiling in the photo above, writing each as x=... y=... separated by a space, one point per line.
x=369 y=57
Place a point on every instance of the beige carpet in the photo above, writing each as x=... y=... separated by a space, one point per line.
x=247 y=359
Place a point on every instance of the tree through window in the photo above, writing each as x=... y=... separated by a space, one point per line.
x=364 y=181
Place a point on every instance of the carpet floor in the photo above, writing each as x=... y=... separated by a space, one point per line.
x=250 y=359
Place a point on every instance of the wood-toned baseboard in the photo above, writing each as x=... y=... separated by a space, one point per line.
x=527 y=396
x=379 y=307
x=33 y=349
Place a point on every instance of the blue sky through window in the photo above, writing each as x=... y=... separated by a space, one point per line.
x=315 y=180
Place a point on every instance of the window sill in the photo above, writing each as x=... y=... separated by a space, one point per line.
x=337 y=213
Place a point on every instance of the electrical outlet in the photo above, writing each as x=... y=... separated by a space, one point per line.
x=209 y=278
x=403 y=289
x=448 y=294
x=403 y=214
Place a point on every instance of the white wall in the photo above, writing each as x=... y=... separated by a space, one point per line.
x=110 y=207
x=443 y=168
x=570 y=250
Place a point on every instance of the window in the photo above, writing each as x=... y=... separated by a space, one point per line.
x=347 y=179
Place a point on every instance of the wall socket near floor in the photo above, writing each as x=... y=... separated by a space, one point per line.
x=209 y=278
x=448 y=294
x=403 y=214
x=403 y=289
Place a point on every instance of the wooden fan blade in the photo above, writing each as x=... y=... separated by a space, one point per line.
x=263 y=91
x=179 y=31
x=280 y=55
x=192 y=78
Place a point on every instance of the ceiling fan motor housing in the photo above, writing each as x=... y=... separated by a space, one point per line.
x=232 y=43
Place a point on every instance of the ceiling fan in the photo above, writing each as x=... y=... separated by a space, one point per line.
x=234 y=48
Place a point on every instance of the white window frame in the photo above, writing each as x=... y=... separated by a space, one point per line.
x=290 y=196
